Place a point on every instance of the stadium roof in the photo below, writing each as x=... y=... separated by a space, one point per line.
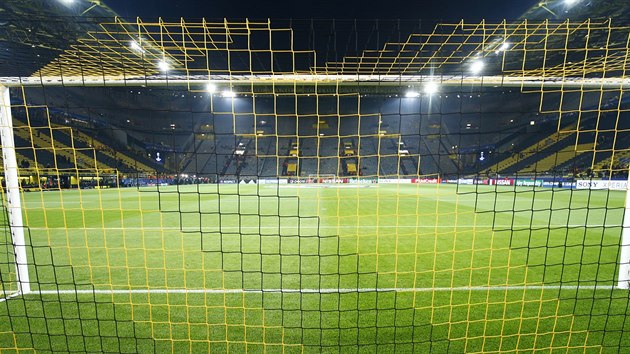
x=37 y=31
x=42 y=41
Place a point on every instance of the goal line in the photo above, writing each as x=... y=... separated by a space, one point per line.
x=322 y=227
x=323 y=290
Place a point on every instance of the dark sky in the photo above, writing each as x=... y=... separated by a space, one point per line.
x=325 y=9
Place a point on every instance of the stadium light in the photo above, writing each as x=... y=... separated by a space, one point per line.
x=228 y=94
x=476 y=67
x=66 y=2
x=571 y=2
x=163 y=65
x=136 y=47
x=431 y=88
x=504 y=47
x=210 y=87
x=412 y=94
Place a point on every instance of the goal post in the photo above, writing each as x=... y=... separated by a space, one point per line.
x=624 y=253
x=12 y=200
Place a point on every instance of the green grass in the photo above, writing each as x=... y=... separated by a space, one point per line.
x=338 y=245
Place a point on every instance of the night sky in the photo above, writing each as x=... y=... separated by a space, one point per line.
x=326 y=9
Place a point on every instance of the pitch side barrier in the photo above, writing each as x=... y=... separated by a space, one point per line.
x=619 y=185
x=614 y=185
x=519 y=182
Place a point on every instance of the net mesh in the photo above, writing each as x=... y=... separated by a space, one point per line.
x=166 y=173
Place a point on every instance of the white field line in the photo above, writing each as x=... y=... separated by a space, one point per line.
x=10 y=296
x=314 y=186
x=323 y=227
x=237 y=199
x=324 y=290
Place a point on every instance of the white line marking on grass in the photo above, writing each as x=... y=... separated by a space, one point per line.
x=10 y=296
x=313 y=186
x=323 y=291
x=324 y=227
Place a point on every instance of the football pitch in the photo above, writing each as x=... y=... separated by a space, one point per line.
x=318 y=268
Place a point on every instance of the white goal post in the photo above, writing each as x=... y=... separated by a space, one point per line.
x=12 y=200
x=624 y=254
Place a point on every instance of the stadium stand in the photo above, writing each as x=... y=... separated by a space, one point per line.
x=525 y=156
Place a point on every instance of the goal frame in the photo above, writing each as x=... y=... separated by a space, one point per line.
x=12 y=200
x=13 y=203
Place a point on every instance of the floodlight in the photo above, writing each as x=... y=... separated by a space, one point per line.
x=412 y=94
x=136 y=47
x=163 y=65
x=476 y=67
x=570 y=2
x=210 y=87
x=431 y=88
x=503 y=47
x=228 y=94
